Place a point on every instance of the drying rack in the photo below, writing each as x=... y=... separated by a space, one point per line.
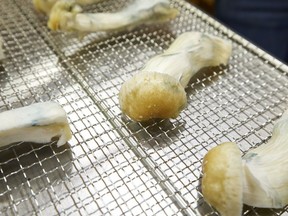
x=112 y=165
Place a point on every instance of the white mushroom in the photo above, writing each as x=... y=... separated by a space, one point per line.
x=157 y=91
x=263 y=173
x=39 y=122
x=68 y=16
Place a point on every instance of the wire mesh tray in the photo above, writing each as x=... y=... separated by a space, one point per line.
x=113 y=166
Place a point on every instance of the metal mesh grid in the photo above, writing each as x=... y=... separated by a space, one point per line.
x=112 y=165
x=96 y=173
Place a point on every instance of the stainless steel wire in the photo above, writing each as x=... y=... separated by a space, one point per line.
x=112 y=165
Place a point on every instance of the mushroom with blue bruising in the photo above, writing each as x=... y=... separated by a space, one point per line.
x=39 y=123
x=157 y=91
x=259 y=178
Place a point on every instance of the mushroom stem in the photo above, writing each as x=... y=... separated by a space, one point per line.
x=158 y=90
x=190 y=52
x=39 y=123
x=64 y=17
x=265 y=169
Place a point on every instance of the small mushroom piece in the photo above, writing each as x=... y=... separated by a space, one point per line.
x=157 y=91
x=39 y=123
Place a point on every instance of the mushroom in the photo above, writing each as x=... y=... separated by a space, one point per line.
x=39 y=123
x=157 y=91
x=259 y=180
x=68 y=16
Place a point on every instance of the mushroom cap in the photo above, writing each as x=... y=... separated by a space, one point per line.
x=151 y=95
x=222 y=185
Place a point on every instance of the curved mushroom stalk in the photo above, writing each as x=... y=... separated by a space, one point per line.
x=158 y=90
x=65 y=17
x=263 y=174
